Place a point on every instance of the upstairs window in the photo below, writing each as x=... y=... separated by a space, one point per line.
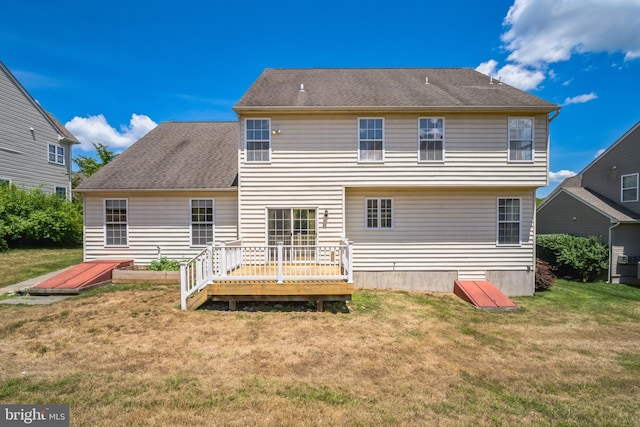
x=379 y=214
x=56 y=154
x=508 y=221
x=629 y=187
x=371 y=140
x=431 y=139
x=201 y=222
x=258 y=140
x=520 y=139
x=115 y=222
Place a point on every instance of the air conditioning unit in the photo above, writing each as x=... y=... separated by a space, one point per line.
x=623 y=259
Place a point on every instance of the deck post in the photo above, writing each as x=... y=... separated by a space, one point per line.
x=280 y=253
x=209 y=262
x=183 y=285
x=223 y=259
x=350 y=265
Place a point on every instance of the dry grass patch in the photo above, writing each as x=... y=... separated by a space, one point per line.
x=126 y=355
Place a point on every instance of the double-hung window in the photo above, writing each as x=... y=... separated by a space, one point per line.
x=115 y=222
x=508 y=221
x=431 y=139
x=520 y=139
x=371 y=140
x=379 y=214
x=56 y=154
x=629 y=188
x=201 y=222
x=257 y=140
x=61 y=192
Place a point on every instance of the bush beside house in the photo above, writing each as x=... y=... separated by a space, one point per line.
x=582 y=258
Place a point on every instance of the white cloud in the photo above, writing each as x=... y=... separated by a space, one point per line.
x=561 y=175
x=543 y=32
x=97 y=129
x=580 y=99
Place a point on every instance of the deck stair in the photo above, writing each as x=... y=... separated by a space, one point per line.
x=79 y=278
x=483 y=295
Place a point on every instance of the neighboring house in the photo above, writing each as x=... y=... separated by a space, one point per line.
x=35 y=149
x=429 y=175
x=603 y=201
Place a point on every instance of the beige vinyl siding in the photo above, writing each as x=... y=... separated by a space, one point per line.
x=156 y=220
x=438 y=230
x=24 y=154
x=566 y=214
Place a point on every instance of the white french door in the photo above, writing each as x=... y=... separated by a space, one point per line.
x=296 y=228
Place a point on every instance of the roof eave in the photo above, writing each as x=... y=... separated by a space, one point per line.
x=401 y=109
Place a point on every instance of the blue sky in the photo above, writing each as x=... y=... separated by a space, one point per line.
x=110 y=71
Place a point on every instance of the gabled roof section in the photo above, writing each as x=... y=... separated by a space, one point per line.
x=402 y=89
x=606 y=207
x=174 y=156
x=63 y=133
x=611 y=147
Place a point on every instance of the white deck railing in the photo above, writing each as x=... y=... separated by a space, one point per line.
x=236 y=262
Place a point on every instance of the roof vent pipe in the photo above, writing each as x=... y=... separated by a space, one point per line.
x=426 y=80
x=301 y=87
x=491 y=80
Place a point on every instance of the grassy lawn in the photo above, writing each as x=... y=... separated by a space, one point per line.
x=126 y=355
x=17 y=265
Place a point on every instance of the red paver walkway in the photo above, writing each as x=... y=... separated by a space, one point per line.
x=79 y=278
x=483 y=295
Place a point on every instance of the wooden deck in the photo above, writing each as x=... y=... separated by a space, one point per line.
x=263 y=290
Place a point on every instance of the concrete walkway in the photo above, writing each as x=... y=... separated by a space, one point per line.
x=25 y=298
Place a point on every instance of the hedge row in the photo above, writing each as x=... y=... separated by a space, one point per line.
x=582 y=258
x=36 y=219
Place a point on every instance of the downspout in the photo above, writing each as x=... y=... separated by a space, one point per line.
x=611 y=251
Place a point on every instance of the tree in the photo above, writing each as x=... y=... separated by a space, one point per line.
x=88 y=165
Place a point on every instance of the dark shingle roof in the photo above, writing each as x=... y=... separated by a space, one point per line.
x=174 y=155
x=63 y=131
x=385 y=88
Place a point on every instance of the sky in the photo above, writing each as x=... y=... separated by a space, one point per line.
x=111 y=71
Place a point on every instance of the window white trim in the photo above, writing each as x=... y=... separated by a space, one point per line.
x=56 y=154
x=106 y=224
x=378 y=213
x=371 y=140
x=500 y=221
x=629 y=189
x=423 y=137
x=192 y=223
x=248 y=140
x=514 y=139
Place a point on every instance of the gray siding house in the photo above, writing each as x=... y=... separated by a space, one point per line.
x=603 y=201
x=414 y=177
x=35 y=149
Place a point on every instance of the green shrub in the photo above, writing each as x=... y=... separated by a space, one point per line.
x=164 y=264
x=584 y=258
x=34 y=218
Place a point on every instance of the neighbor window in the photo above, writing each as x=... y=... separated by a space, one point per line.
x=61 y=192
x=629 y=187
x=4 y=181
x=508 y=221
x=201 y=222
x=258 y=140
x=371 y=140
x=115 y=220
x=520 y=139
x=431 y=139
x=56 y=154
x=379 y=213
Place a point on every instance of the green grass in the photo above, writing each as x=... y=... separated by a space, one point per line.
x=18 y=265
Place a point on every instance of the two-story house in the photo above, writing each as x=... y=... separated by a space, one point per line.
x=603 y=201
x=426 y=176
x=35 y=149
